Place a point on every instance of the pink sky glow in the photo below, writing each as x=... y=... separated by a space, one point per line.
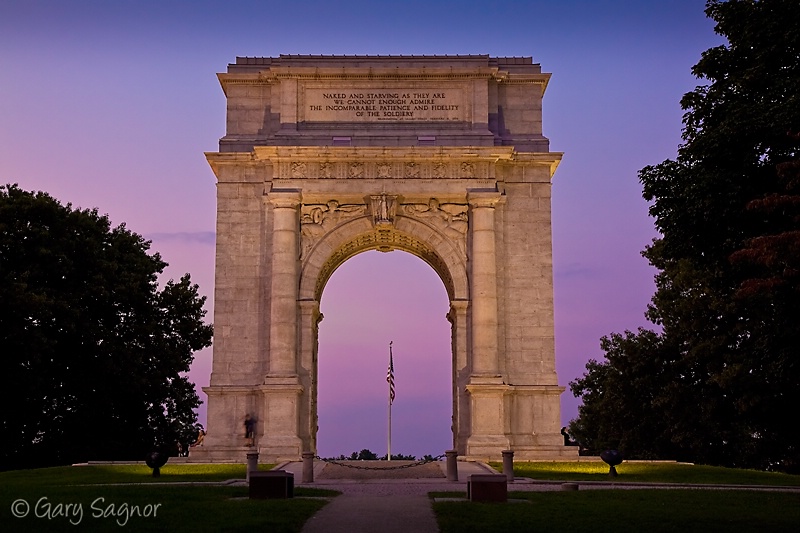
x=112 y=104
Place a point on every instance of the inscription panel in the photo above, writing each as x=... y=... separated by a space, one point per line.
x=382 y=102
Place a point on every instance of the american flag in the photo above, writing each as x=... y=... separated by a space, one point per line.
x=390 y=375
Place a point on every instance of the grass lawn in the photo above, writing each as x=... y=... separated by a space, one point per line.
x=649 y=472
x=653 y=510
x=85 y=499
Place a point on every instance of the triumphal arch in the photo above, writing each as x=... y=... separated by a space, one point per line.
x=325 y=157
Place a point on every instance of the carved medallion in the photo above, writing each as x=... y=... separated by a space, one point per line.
x=299 y=169
x=355 y=170
x=412 y=170
x=384 y=170
x=467 y=170
x=439 y=170
x=326 y=170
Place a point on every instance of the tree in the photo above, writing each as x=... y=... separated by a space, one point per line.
x=728 y=211
x=93 y=353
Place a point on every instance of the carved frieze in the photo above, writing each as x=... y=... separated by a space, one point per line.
x=344 y=169
x=318 y=219
x=451 y=219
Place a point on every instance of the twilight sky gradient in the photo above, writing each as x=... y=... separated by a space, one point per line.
x=111 y=104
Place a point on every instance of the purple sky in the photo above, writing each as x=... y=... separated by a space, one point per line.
x=111 y=104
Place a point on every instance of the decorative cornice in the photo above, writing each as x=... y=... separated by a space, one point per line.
x=271 y=75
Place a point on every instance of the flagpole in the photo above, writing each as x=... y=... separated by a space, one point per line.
x=390 y=379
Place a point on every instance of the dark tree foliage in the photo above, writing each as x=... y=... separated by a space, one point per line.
x=715 y=384
x=92 y=351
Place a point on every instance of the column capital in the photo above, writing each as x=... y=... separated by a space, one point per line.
x=308 y=305
x=483 y=198
x=459 y=305
x=287 y=198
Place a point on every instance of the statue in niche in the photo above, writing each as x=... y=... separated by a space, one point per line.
x=384 y=208
x=318 y=219
x=451 y=219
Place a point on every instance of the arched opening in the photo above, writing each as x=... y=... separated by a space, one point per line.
x=371 y=299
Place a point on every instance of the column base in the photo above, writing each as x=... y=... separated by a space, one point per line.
x=219 y=454
x=486 y=447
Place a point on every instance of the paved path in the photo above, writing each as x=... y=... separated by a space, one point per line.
x=381 y=505
x=350 y=513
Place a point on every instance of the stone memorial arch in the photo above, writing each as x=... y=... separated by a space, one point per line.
x=325 y=157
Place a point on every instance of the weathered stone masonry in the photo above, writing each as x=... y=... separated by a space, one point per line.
x=325 y=157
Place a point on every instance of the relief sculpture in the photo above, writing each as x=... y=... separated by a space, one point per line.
x=450 y=219
x=318 y=219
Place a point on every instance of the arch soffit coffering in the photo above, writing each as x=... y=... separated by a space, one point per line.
x=359 y=235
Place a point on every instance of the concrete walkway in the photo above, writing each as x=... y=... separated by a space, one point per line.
x=351 y=513
x=380 y=505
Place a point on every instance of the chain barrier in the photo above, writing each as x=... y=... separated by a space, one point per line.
x=360 y=467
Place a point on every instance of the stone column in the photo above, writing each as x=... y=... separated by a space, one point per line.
x=282 y=391
x=284 y=284
x=484 y=285
x=488 y=424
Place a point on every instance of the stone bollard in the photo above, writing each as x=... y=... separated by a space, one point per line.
x=252 y=464
x=508 y=464
x=452 y=465
x=308 y=467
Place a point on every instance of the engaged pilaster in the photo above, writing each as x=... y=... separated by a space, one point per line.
x=461 y=374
